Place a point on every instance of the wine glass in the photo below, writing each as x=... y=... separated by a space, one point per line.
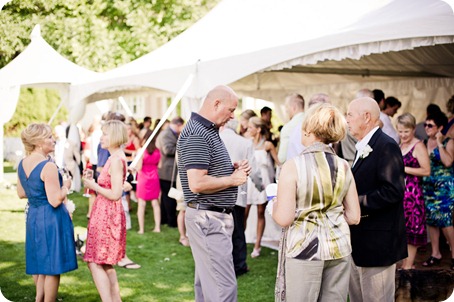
x=64 y=172
x=88 y=174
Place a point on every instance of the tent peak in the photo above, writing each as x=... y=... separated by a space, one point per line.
x=36 y=32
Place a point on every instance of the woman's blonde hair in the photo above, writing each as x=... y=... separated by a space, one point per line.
x=117 y=132
x=407 y=120
x=34 y=135
x=258 y=123
x=326 y=122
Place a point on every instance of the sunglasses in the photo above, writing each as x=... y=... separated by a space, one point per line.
x=429 y=125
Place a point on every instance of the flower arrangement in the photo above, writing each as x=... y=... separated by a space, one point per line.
x=70 y=206
x=366 y=151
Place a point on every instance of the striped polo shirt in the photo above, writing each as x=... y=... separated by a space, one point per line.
x=200 y=147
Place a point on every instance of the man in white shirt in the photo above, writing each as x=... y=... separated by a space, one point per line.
x=391 y=106
x=240 y=148
x=294 y=106
x=295 y=146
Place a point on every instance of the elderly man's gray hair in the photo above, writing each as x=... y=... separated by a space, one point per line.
x=232 y=124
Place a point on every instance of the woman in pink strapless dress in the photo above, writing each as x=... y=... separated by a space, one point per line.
x=106 y=239
x=148 y=187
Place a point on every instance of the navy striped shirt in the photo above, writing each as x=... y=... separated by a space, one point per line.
x=200 y=147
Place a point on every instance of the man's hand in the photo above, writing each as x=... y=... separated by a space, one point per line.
x=239 y=177
x=243 y=165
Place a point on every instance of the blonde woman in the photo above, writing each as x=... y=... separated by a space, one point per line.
x=265 y=155
x=244 y=121
x=417 y=165
x=316 y=201
x=49 y=242
x=106 y=239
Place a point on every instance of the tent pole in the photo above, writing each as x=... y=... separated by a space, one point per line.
x=55 y=113
x=1 y=152
x=172 y=106
x=125 y=106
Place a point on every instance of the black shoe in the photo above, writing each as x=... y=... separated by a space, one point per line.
x=431 y=262
x=242 y=271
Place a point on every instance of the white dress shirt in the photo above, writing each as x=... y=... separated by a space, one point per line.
x=360 y=145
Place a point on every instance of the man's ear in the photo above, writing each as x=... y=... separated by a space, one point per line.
x=217 y=103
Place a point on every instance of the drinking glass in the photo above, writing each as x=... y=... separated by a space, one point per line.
x=88 y=174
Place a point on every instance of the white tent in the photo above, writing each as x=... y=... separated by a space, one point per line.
x=267 y=48
x=39 y=65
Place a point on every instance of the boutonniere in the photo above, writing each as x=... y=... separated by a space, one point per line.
x=366 y=151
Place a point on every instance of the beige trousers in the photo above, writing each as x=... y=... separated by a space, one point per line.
x=317 y=280
x=210 y=236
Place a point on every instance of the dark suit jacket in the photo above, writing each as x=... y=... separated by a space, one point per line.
x=379 y=239
x=167 y=141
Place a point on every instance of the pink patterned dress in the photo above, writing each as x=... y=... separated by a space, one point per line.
x=106 y=239
x=415 y=214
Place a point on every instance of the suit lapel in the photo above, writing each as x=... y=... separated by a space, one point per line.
x=371 y=144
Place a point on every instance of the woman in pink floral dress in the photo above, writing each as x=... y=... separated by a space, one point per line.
x=106 y=239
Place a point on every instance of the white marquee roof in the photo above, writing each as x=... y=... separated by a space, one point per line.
x=243 y=43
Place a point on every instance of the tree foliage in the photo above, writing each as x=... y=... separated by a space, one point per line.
x=35 y=105
x=96 y=34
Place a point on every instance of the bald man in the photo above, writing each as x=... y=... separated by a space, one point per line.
x=378 y=241
x=210 y=185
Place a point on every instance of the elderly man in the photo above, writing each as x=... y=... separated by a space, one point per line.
x=240 y=148
x=378 y=241
x=210 y=184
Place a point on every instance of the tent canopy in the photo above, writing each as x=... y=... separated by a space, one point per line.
x=267 y=48
x=39 y=65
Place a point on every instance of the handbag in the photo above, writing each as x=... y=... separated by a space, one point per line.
x=174 y=192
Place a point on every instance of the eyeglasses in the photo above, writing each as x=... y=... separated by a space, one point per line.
x=429 y=125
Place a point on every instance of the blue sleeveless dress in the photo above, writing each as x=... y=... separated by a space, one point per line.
x=49 y=241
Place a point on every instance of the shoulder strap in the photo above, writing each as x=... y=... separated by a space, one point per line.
x=173 y=172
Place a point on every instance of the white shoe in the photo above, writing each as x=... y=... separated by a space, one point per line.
x=256 y=252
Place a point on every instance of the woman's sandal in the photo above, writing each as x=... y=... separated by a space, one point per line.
x=431 y=261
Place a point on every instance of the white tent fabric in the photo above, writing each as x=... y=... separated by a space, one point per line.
x=240 y=41
x=267 y=48
x=39 y=65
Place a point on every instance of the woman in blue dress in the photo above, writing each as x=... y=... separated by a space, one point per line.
x=439 y=187
x=49 y=242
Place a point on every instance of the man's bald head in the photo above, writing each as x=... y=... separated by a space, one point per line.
x=362 y=116
x=220 y=92
x=219 y=105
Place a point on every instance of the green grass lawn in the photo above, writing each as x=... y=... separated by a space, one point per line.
x=167 y=271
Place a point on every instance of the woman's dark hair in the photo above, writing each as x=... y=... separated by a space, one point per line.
x=152 y=145
x=440 y=119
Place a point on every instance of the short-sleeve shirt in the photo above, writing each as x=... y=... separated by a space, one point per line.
x=200 y=147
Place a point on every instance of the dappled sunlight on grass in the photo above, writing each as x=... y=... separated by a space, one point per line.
x=12 y=226
x=184 y=288
x=161 y=285
x=166 y=275
x=5 y=265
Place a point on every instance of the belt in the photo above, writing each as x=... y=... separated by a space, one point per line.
x=207 y=207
